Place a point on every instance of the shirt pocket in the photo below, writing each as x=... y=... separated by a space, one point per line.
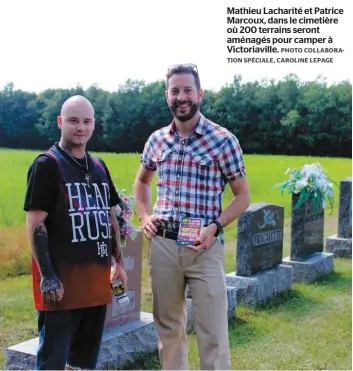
x=162 y=158
x=203 y=165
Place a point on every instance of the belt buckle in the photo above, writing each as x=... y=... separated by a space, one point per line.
x=164 y=232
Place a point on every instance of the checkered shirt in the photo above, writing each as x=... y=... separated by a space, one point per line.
x=192 y=171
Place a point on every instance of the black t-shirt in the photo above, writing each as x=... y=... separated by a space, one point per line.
x=42 y=184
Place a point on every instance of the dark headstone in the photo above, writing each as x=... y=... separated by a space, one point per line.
x=307 y=230
x=345 y=209
x=260 y=238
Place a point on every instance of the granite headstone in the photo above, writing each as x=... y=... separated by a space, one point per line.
x=260 y=239
x=307 y=258
x=307 y=230
x=340 y=244
x=260 y=274
x=345 y=209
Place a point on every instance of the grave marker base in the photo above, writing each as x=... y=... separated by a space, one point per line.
x=339 y=247
x=262 y=286
x=313 y=267
x=119 y=345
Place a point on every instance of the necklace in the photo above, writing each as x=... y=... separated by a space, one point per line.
x=85 y=168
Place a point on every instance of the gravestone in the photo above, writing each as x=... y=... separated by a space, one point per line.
x=307 y=230
x=128 y=331
x=307 y=258
x=340 y=244
x=260 y=239
x=117 y=314
x=260 y=274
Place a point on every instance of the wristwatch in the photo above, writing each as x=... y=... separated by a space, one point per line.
x=219 y=227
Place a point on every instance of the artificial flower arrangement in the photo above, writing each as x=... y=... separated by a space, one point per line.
x=311 y=183
x=124 y=211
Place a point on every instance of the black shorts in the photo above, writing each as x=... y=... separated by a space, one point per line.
x=70 y=337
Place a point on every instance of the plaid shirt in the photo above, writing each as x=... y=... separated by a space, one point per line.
x=192 y=171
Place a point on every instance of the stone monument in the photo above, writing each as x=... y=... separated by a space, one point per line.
x=260 y=274
x=340 y=244
x=307 y=258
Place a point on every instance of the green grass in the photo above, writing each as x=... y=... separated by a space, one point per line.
x=262 y=171
x=308 y=327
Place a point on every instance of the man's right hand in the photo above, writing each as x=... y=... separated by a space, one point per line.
x=52 y=289
x=149 y=226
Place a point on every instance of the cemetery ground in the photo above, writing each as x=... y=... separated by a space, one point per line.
x=308 y=327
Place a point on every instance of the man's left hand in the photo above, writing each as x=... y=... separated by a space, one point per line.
x=205 y=239
x=118 y=272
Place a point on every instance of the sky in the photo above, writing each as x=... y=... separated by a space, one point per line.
x=59 y=44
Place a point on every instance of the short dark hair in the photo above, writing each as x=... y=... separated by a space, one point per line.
x=179 y=69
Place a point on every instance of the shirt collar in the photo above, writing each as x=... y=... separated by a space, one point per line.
x=200 y=127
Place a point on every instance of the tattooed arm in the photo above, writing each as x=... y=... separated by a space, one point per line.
x=51 y=287
x=117 y=255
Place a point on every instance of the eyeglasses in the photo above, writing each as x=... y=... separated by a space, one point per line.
x=186 y=65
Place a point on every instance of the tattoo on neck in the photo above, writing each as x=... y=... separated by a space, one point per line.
x=66 y=147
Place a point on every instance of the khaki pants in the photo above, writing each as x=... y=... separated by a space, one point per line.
x=171 y=267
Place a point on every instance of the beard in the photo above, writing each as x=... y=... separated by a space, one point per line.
x=193 y=108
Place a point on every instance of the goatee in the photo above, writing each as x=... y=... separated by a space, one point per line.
x=186 y=116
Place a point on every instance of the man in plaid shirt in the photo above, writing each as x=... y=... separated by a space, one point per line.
x=194 y=159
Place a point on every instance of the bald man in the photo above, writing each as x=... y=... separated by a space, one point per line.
x=73 y=235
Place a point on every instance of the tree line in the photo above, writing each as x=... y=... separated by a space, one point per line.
x=269 y=117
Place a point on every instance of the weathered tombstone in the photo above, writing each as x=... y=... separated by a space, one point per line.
x=340 y=244
x=307 y=258
x=128 y=331
x=259 y=273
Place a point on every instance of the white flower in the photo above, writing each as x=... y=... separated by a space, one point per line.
x=302 y=183
x=322 y=184
x=287 y=171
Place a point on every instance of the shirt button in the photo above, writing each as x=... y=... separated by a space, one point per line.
x=178 y=175
x=183 y=142
x=176 y=192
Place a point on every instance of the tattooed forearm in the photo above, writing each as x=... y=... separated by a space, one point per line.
x=116 y=249
x=41 y=251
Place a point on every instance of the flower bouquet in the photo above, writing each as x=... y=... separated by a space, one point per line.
x=309 y=183
x=124 y=211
